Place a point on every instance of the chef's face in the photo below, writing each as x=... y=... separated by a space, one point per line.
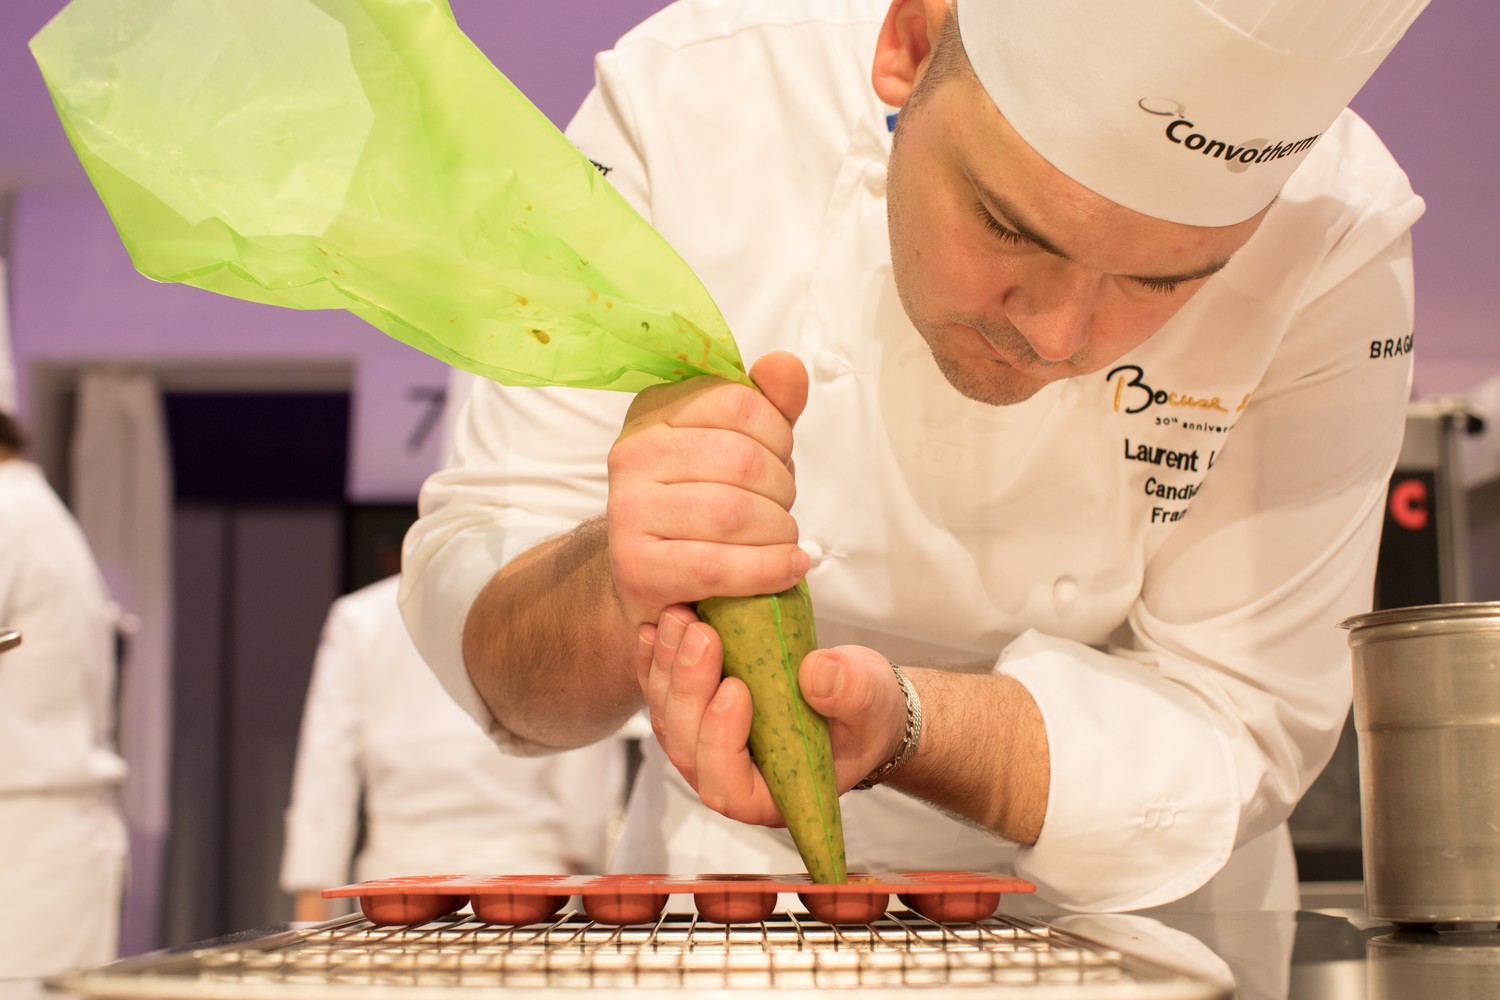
x=1015 y=275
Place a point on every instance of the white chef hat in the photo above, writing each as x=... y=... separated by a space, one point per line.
x=1193 y=111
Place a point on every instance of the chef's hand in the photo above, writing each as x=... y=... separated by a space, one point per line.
x=703 y=721
x=700 y=491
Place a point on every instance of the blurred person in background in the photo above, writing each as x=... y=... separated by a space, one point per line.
x=381 y=739
x=62 y=840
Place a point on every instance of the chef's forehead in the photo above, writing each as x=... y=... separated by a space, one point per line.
x=1193 y=111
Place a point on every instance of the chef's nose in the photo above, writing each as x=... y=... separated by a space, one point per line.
x=1052 y=307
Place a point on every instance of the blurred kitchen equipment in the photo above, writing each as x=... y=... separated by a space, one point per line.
x=1425 y=546
x=1427 y=714
x=9 y=639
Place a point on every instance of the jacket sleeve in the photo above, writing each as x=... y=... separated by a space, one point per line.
x=1202 y=728
x=323 y=817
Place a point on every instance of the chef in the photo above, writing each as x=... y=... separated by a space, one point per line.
x=62 y=840
x=1084 y=332
x=380 y=738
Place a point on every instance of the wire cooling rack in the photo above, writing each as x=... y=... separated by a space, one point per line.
x=678 y=954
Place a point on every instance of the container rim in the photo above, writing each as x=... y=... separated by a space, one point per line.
x=1423 y=613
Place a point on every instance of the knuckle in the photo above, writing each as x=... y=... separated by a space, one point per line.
x=682 y=762
x=742 y=459
x=615 y=463
x=625 y=567
x=649 y=401
x=639 y=601
x=742 y=403
x=623 y=512
x=733 y=513
x=716 y=801
x=708 y=569
x=624 y=457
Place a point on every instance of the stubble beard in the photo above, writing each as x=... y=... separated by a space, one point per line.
x=986 y=381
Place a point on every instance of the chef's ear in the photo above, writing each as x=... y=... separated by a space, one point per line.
x=907 y=41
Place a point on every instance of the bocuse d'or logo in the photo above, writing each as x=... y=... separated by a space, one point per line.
x=1133 y=394
x=1237 y=156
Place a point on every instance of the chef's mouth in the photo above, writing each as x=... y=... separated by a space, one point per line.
x=994 y=351
x=1028 y=363
x=998 y=355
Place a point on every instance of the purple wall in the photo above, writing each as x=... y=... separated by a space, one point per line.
x=74 y=293
x=1436 y=102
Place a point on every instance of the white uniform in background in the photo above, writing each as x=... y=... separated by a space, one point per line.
x=438 y=796
x=1160 y=552
x=62 y=842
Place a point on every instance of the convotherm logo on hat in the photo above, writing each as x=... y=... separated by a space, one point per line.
x=1193 y=111
x=1235 y=156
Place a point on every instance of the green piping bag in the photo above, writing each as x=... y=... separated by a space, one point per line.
x=364 y=155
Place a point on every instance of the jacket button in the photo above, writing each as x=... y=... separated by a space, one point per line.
x=1064 y=592
x=813 y=549
x=827 y=365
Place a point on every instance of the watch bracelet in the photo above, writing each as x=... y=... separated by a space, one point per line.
x=911 y=735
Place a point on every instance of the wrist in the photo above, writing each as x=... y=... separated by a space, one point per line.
x=911 y=735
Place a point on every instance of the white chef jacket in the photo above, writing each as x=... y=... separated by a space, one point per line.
x=438 y=796
x=62 y=841
x=1160 y=552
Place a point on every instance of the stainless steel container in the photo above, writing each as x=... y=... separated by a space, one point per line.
x=1427 y=716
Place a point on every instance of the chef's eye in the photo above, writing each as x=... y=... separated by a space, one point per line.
x=993 y=225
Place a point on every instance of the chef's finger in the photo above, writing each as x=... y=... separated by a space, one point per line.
x=704 y=569
x=651 y=574
x=645 y=648
x=716 y=456
x=669 y=629
x=734 y=407
x=705 y=512
x=650 y=405
x=668 y=455
x=696 y=673
x=728 y=780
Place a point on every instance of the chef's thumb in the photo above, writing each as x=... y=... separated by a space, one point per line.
x=837 y=683
x=783 y=378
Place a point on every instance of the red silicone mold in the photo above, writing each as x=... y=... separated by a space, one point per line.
x=943 y=896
